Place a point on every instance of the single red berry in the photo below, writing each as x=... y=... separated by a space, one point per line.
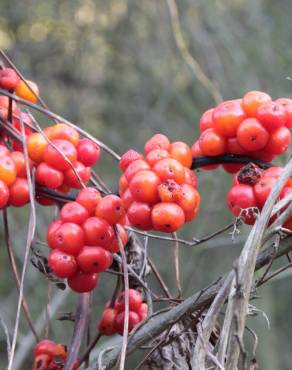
x=251 y=135
x=8 y=79
x=106 y=325
x=156 y=155
x=143 y=187
x=190 y=178
x=206 y=120
x=89 y=198
x=279 y=141
x=211 y=143
x=167 y=217
x=98 y=231
x=135 y=301
x=20 y=163
x=88 y=152
x=233 y=146
x=64 y=132
x=181 y=152
x=169 y=191
x=74 y=212
x=143 y=311
x=45 y=347
x=139 y=215
x=170 y=169
x=133 y=320
x=111 y=209
x=197 y=152
x=69 y=238
x=94 y=259
x=123 y=184
x=189 y=199
x=48 y=176
x=135 y=167
x=61 y=157
x=227 y=117
x=252 y=100
x=127 y=199
x=241 y=197
x=272 y=116
x=72 y=180
x=262 y=190
x=287 y=104
x=64 y=265
x=51 y=233
x=82 y=283
x=157 y=141
x=129 y=157
x=19 y=193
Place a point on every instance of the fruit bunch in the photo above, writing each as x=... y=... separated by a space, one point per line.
x=49 y=355
x=112 y=320
x=83 y=239
x=254 y=125
x=159 y=189
x=250 y=190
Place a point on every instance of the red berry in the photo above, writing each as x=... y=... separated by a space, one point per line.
x=197 y=152
x=94 y=259
x=64 y=265
x=64 y=132
x=74 y=212
x=251 y=135
x=127 y=199
x=170 y=169
x=211 y=143
x=106 y=326
x=7 y=170
x=272 y=116
x=158 y=141
x=48 y=176
x=133 y=320
x=36 y=146
x=88 y=152
x=143 y=187
x=69 y=238
x=167 y=217
x=45 y=347
x=190 y=177
x=135 y=301
x=19 y=193
x=279 y=141
x=61 y=157
x=111 y=209
x=169 y=191
x=206 y=120
x=189 y=199
x=8 y=79
x=287 y=104
x=98 y=231
x=155 y=155
x=51 y=233
x=89 y=198
x=234 y=147
x=143 y=311
x=139 y=215
x=129 y=157
x=239 y=198
x=82 y=283
x=182 y=153
x=253 y=100
x=262 y=190
x=227 y=117
x=72 y=180
x=135 y=167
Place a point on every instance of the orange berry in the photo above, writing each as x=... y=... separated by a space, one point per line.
x=30 y=93
x=252 y=100
x=182 y=153
x=36 y=146
x=64 y=132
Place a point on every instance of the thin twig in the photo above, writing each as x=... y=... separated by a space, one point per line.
x=176 y=265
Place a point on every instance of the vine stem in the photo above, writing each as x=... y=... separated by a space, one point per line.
x=81 y=318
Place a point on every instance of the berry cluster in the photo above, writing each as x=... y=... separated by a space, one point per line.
x=159 y=190
x=254 y=125
x=112 y=320
x=83 y=239
x=65 y=162
x=49 y=355
x=251 y=188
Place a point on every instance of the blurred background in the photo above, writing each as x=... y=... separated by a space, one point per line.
x=113 y=67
